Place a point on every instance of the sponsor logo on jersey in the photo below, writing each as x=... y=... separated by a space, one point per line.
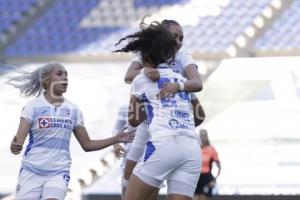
x=181 y=114
x=60 y=122
x=44 y=123
x=53 y=122
x=173 y=123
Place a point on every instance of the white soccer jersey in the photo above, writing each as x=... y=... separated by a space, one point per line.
x=179 y=64
x=181 y=61
x=167 y=116
x=122 y=122
x=47 y=152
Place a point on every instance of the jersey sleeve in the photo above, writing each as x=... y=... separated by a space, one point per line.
x=137 y=58
x=187 y=59
x=136 y=86
x=193 y=96
x=27 y=113
x=79 y=118
x=120 y=122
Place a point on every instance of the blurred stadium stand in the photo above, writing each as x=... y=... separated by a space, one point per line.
x=16 y=17
x=34 y=31
x=12 y=13
x=229 y=28
x=283 y=38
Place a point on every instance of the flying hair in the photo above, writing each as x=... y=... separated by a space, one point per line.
x=32 y=83
x=153 y=42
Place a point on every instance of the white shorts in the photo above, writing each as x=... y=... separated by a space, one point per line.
x=176 y=159
x=33 y=186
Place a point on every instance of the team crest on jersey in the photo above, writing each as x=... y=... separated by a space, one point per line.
x=64 y=112
x=44 y=123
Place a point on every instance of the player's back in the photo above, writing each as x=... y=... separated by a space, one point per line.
x=169 y=115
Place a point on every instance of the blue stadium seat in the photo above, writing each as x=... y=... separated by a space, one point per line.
x=284 y=32
x=59 y=28
x=12 y=11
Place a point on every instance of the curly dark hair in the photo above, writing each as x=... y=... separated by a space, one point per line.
x=154 y=43
x=169 y=22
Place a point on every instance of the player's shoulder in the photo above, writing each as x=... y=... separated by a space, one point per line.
x=137 y=58
x=35 y=102
x=70 y=104
x=140 y=78
x=181 y=54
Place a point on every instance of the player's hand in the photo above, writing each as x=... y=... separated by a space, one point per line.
x=119 y=150
x=168 y=90
x=152 y=73
x=15 y=147
x=125 y=136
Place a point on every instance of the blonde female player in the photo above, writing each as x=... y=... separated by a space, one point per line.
x=50 y=119
x=169 y=118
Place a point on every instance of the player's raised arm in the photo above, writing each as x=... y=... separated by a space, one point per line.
x=199 y=114
x=136 y=68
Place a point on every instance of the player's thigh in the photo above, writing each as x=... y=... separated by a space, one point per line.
x=138 y=189
x=183 y=180
x=153 y=195
x=178 y=189
x=160 y=158
x=56 y=187
x=29 y=185
x=178 y=197
x=129 y=166
x=53 y=194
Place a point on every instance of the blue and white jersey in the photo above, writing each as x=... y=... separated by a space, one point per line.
x=180 y=62
x=178 y=65
x=47 y=152
x=167 y=116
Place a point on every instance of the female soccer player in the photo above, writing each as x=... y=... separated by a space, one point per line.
x=121 y=151
x=50 y=119
x=182 y=64
x=170 y=120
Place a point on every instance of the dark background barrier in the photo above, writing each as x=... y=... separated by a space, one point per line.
x=219 y=197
